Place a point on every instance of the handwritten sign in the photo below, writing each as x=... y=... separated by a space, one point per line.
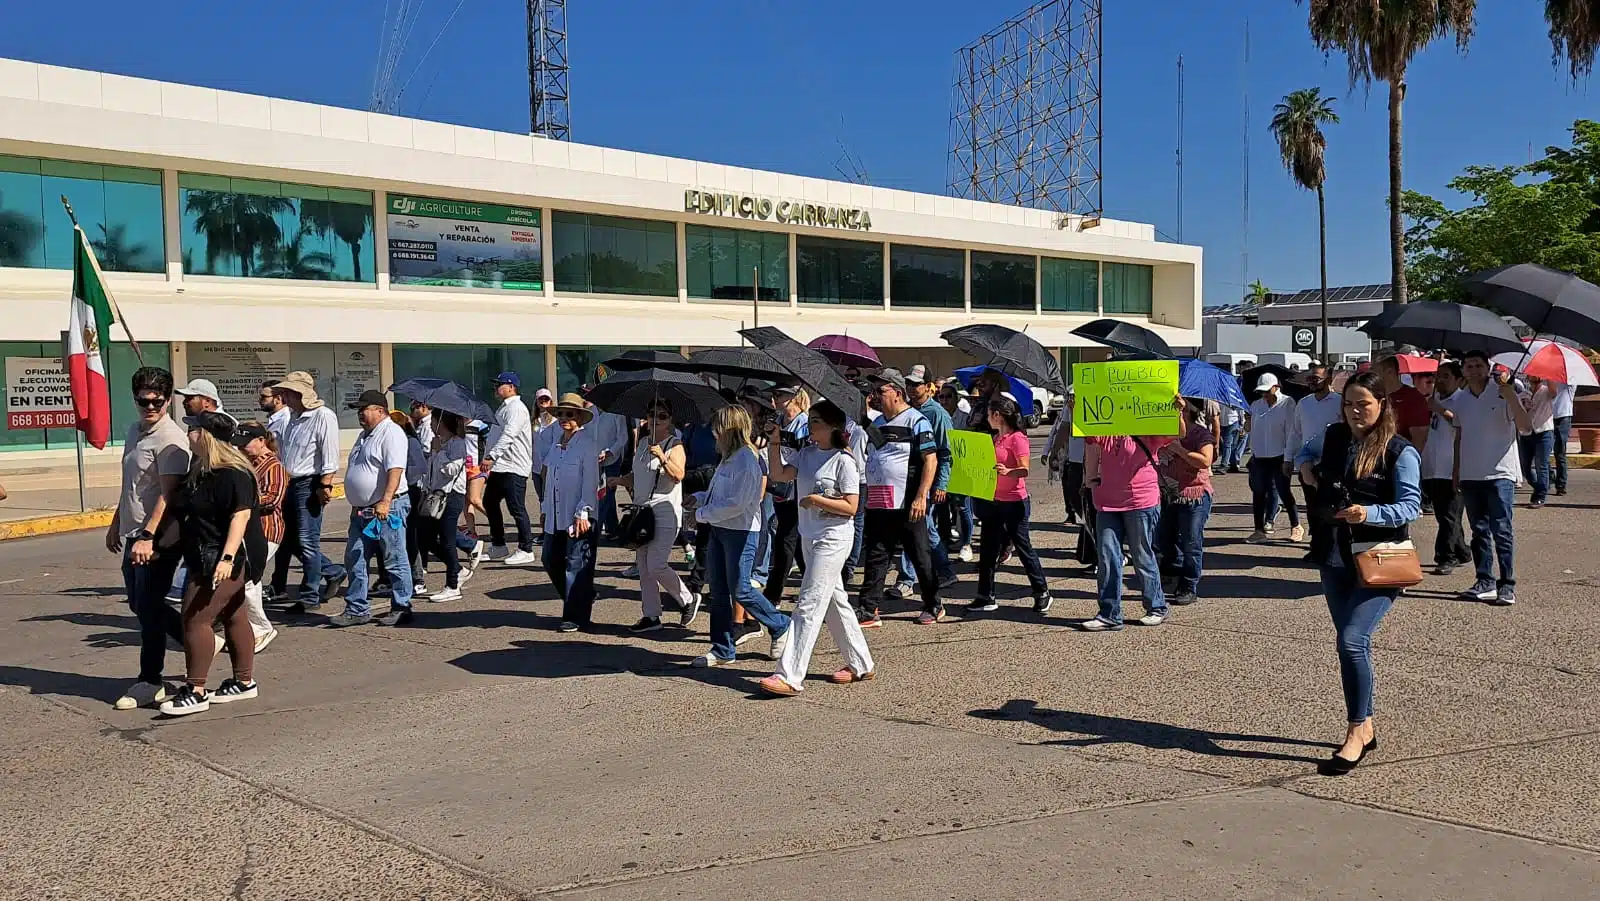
x=972 y=461
x=1128 y=397
x=38 y=395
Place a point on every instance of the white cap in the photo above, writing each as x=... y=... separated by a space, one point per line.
x=200 y=388
x=1267 y=380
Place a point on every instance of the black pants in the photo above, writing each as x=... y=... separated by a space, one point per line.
x=413 y=546
x=1072 y=490
x=438 y=537
x=887 y=533
x=697 y=572
x=1449 y=510
x=1088 y=547
x=785 y=548
x=1269 y=486
x=513 y=489
x=1006 y=522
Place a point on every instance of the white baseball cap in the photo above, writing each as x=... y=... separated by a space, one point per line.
x=1267 y=380
x=200 y=388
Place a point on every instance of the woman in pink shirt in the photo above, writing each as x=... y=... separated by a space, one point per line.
x=1121 y=474
x=1005 y=519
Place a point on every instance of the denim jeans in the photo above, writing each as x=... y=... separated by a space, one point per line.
x=1489 y=513
x=1563 y=435
x=730 y=556
x=302 y=540
x=513 y=489
x=762 y=568
x=439 y=538
x=1356 y=611
x=1006 y=523
x=1536 y=450
x=1183 y=542
x=147 y=596
x=1232 y=445
x=1269 y=486
x=1138 y=529
x=938 y=551
x=854 y=559
x=569 y=562
x=390 y=549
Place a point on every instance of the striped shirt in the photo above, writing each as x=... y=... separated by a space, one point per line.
x=272 y=480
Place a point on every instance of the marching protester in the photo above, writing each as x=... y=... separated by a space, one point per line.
x=731 y=508
x=375 y=487
x=200 y=396
x=1366 y=481
x=1063 y=454
x=791 y=404
x=1488 y=417
x=155 y=460
x=1439 y=474
x=1121 y=474
x=1231 y=446
x=921 y=390
x=442 y=499
x=1313 y=414
x=899 y=479
x=656 y=484
x=571 y=531
x=508 y=462
x=1005 y=519
x=1186 y=466
x=277 y=411
x=1272 y=430
x=416 y=474
x=955 y=514
x=828 y=482
x=545 y=429
x=310 y=453
x=223 y=548
x=260 y=447
x=1561 y=412
x=610 y=433
x=1538 y=443
x=422 y=424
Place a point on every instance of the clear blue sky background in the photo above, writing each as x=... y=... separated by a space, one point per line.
x=776 y=84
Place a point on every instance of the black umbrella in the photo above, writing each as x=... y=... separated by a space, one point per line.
x=1011 y=352
x=645 y=359
x=1126 y=338
x=739 y=362
x=631 y=393
x=1438 y=325
x=810 y=368
x=443 y=394
x=1288 y=381
x=1549 y=301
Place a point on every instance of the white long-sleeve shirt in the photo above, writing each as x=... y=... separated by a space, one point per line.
x=734 y=499
x=611 y=434
x=511 y=438
x=1312 y=417
x=1272 y=428
x=311 y=443
x=571 y=480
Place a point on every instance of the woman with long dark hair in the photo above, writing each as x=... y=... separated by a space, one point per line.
x=1366 y=483
x=1005 y=519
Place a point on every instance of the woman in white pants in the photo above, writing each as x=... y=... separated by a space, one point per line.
x=657 y=481
x=829 y=479
x=260 y=446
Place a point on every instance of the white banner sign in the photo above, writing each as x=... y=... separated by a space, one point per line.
x=38 y=395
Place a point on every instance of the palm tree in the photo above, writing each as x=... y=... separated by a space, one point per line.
x=18 y=235
x=236 y=224
x=1575 y=32
x=1379 y=38
x=1297 y=124
x=290 y=259
x=349 y=222
x=115 y=253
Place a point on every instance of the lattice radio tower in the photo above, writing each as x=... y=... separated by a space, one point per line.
x=550 y=109
x=1025 y=121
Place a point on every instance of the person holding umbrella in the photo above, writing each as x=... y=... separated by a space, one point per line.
x=656 y=482
x=572 y=485
x=1488 y=418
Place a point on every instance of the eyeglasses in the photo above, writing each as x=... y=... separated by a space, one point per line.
x=150 y=403
x=661 y=416
x=566 y=414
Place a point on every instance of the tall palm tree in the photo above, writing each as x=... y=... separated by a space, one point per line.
x=349 y=222
x=1575 y=32
x=237 y=225
x=115 y=252
x=1379 y=38
x=1297 y=124
x=291 y=259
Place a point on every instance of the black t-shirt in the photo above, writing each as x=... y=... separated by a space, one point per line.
x=207 y=503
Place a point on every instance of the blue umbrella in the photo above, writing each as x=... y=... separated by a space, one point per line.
x=1018 y=388
x=443 y=394
x=1197 y=378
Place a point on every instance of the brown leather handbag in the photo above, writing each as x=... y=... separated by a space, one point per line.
x=1389 y=564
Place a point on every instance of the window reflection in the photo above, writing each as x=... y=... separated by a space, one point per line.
x=1002 y=281
x=1070 y=286
x=258 y=229
x=613 y=255
x=926 y=277
x=1129 y=288
x=828 y=270
x=723 y=263
x=118 y=207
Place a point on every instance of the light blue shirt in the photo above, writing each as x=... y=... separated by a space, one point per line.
x=572 y=480
x=310 y=443
x=733 y=501
x=1407 y=504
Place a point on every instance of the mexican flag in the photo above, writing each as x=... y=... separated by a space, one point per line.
x=88 y=328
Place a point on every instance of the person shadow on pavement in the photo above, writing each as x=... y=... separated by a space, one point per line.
x=1107 y=730
x=569 y=659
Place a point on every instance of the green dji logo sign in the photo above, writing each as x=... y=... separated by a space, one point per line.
x=404 y=205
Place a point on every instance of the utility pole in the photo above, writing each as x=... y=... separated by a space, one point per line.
x=1180 y=148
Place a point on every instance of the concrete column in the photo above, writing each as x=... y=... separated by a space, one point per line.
x=547 y=254
x=180 y=363
x=550 y=369
x=380 y=241
x=683 y=263
x=1038 y=285
x=1100 y=288
x=966 y=280
x=887 y=281
x=386 y=352
x=172 y=225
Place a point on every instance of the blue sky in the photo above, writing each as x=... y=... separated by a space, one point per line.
x=762 y=83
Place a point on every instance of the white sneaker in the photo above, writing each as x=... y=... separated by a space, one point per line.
x=966 y=554
x=463 y=575
x=477 y=553
x=419 y=590
x=141 y=694
x=710 y=660
x=498 y=552
x=1152 y=619
x=1297 y=534
x=522 y=558
x=758 y=586
x=903 y=590
x=265 y=639
x=631 y=572
x=690 y=611
x=1257 y=537
x=445 y=594
x=779 y=645
x=1270 y=528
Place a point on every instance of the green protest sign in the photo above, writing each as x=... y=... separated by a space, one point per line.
x=1125 y=397
x=972 y=461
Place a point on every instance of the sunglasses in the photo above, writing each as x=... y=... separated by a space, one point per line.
x=660 y=416
x=566 y=414
x=150 y=403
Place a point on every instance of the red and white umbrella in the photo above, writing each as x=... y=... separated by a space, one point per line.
x=1553 y=361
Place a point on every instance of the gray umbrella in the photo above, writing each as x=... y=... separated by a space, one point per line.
x=1549 y=301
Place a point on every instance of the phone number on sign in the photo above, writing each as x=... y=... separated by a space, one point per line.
x=57 y=420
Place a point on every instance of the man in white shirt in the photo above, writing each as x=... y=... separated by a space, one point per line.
x=1538 y=443
x=1488 y=417
x=375 y=486
x=1561 y=409
x=611 y=436
x=310 y=454
x=1272 y=434
x=277 y=411
x=1313 y=414
x=1450 y=548
x=509 y=461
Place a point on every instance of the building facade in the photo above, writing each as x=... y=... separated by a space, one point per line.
x=245 y=236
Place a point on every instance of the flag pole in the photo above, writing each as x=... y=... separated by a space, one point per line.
x=116 y=311
x=77 y=436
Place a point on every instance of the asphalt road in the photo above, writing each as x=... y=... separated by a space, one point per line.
x=481 y=755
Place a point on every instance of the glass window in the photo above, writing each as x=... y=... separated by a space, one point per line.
x=575 y=364
x=119 y=208
x=474 y=367
x=829 y=270
x=610 y=255
x=1129 y=288
x=926 y=277
x=265 y=229
x=1001 y=281
x=122 y=363
x=723 y=263
x=1070 y=286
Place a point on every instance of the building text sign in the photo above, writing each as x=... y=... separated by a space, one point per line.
x=789 y=212
x=464 y=244
x=38 y=395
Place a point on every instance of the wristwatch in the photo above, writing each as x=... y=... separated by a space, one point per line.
x=227 y=558
x=144 y=535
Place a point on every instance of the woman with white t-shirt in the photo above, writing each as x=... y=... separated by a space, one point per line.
x=828 y=481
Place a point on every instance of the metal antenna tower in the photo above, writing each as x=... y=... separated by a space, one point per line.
x=1025 y=118
x=549 y=106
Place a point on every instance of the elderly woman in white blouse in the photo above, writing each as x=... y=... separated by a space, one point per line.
x=657 y=482
x=572 y=484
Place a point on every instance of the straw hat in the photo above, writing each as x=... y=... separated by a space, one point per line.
x=301 y=383
x=573 y=403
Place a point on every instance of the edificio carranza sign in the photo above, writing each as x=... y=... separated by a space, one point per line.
x=792 y=212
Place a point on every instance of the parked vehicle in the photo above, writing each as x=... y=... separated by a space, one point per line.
x=1292 y=361
x=1231 y=362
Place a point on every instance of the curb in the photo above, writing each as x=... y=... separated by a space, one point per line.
x=1583 y=461
x=89 y=519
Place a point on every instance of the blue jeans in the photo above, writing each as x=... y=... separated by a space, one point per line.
x=1489 y=514
x=1269 y=486
x=762 y=568
x=1563 y=435
x=1536 y=450
x=302 y=540
x=1138 y=529
x=940 y=554
x=1356 y=611
x=854 y=560
x=147 y=596
x=569 y=562
x=389 y=547
x=731 y=554
x=1232 y=445
x=1183 y=542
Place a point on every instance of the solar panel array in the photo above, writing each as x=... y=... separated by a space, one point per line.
x=1335 y=295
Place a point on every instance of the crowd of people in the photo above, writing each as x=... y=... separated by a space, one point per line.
x=214 y=511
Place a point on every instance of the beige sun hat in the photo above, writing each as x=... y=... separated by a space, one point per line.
x=301 y=383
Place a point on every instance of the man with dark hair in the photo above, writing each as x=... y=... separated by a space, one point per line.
x=1439 y=473
x=508 y=458
x=1488 y=417
x=155 y=458
x=271 y=403
x=899 y=481
x=922 y=390
x=1411 y=413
